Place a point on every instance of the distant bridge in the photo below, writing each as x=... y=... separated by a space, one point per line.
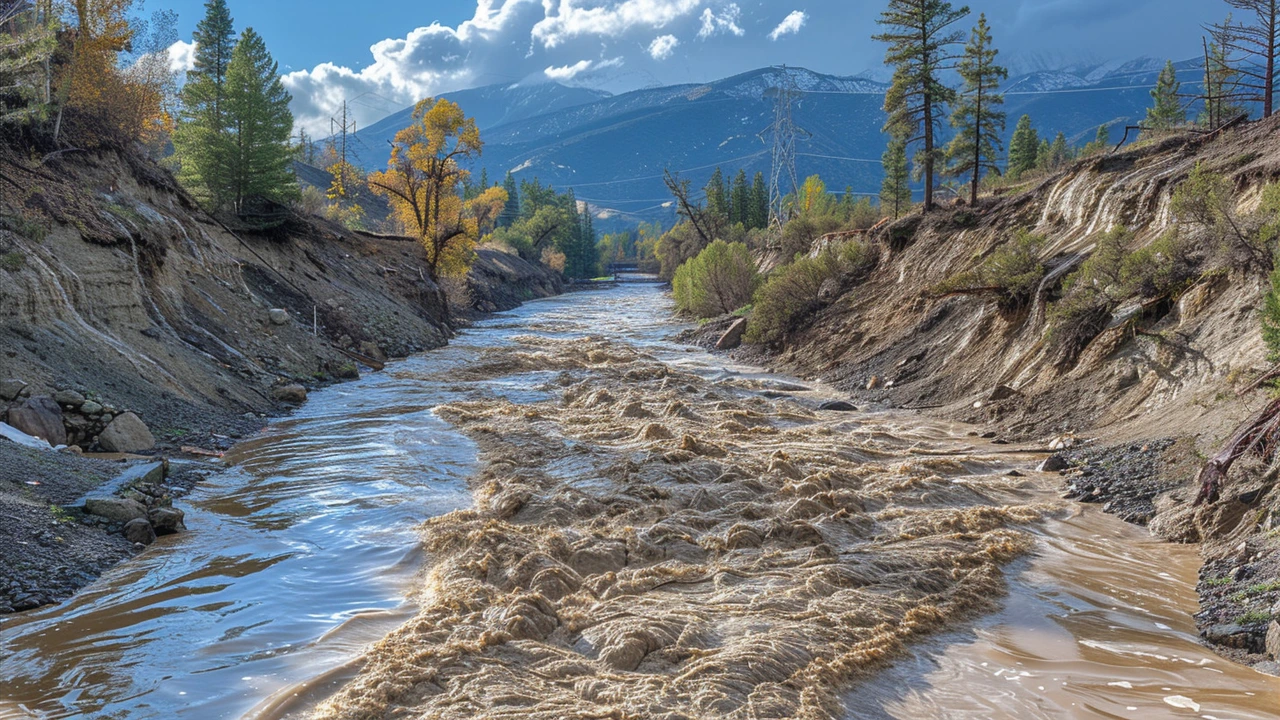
x=633 y=270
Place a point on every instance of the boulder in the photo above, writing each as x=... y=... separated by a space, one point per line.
x=68 y=397
x=1273 y=640
x=278 y=316
x=90 y=408
x=116 y=509
x=829 y=290
x=371 y=349
x=140 y=532
x=167 y=520
x=10 y=389
x=1053 y=463
x=295 y=394
x=126 y=434
x=40 y=417
x=732 y=337
x=838 y=406
x=874 y=382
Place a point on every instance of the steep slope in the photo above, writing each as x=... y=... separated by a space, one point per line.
x=1159 y=383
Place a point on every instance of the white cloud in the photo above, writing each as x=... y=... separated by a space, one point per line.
x=724 y=21
x=790 y=25
x=662 y=46
x=182 y=56
x=568 y=72
x=570 y=19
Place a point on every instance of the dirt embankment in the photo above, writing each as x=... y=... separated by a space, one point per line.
x=121 y=301
x=1157 y=387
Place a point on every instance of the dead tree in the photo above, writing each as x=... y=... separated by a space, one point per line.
x=1259 y=435
x=1253 y=45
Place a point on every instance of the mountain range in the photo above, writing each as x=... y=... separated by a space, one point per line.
x=612 y=149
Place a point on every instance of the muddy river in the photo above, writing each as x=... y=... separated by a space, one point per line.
x=309 y=548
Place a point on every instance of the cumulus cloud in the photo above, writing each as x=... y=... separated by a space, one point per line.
x=725 y=21
x=182 y=56
x=790 y=25
x=505 y=41
x=662 y=46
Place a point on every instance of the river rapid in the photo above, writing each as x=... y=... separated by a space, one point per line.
x=615 y=520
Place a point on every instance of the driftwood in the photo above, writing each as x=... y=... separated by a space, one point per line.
x=1258 y=434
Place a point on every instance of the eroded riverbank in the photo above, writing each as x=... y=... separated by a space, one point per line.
x=606 y=569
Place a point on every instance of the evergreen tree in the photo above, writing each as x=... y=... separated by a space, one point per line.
x=257 y=107
x=740 y=200
x=201 y=138
x=28 y=40
x=1024 y=147
x=920 y=38
x=511 y=211
x=717 y=200
x=1166 y=111
x=1059 y=151
x=895 y=192
x=758 y=212
x=978 y=119
x=1221 y=88
x=484 y=179
x=1100 y=143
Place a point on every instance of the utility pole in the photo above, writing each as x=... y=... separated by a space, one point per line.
x=785 y=133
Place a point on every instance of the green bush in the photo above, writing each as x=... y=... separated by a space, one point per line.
x=1208 y=199
x=13 y=261
x=793 y=292
x=1090 y=294
x=721 y=279
x=1011 y=273
x=1162 y=269
x=1271 y=318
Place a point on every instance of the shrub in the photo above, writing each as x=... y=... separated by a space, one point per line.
x=676 y=247
x=1162 y=269
x=721 y=279
x=1011 y=273
x=13 y=261
x=794 y=292
x=1090 y=294
x=799 y=235
x=1271 y=318
x=1208 y=200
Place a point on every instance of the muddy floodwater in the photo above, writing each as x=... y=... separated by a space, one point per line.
x=566 y=508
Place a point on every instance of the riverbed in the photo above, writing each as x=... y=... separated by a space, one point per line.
x=308 y=548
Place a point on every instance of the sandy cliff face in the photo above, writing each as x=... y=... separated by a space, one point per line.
x=1164 y=384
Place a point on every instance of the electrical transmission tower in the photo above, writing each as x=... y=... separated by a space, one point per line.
x=785 y=133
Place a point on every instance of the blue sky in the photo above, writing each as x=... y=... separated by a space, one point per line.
x=390 y=53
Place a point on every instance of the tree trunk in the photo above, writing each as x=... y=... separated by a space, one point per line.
x=928 y=152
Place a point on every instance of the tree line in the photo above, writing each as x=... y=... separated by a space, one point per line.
x=925 y=48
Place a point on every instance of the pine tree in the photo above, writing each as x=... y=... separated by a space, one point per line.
x=511 y=211
x=1059 y=151
x=1166 y=111
x=28 y=39
x=717 y=200
x=978 y=119
x=201 y=137
x=758 y=212
x=1100 y=143
x=920 y=40
x=740 y=200
x=1023 y=148
x=257 y=108
x=1221 y=87
x=895 y=192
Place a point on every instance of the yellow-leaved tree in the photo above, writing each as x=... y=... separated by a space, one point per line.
x=423 y=182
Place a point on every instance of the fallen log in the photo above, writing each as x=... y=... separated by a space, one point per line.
x=1258 y=434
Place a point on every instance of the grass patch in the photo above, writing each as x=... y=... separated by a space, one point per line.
x=1218 y=581
x=13 y=261
x=1254 y=617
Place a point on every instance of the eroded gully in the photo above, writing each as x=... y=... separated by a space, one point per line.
x=305 y=551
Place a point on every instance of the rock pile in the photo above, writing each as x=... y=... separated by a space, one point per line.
x=68 y=417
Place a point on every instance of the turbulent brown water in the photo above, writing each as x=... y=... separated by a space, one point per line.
x=619 y=526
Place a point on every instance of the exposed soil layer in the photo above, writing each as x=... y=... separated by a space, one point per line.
x=651 y=543
x=1170 y=370
x=117 y=288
